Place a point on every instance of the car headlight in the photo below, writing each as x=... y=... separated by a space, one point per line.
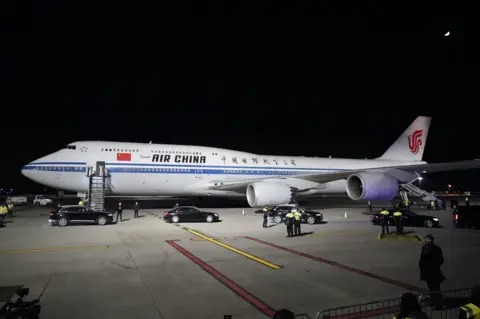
x=435 y=219
x=318 y=214
x=216 y=215
x=110 y=214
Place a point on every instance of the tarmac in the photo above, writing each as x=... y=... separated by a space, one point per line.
x=146 y=268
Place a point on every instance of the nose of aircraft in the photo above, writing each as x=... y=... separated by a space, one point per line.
x=26 y=170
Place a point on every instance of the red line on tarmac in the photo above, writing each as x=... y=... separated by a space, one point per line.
x=342 y=266
x=244 y=294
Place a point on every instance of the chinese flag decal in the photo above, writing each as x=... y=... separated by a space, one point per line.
x=125 y=157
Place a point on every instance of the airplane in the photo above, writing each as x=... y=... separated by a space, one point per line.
x=141 y=169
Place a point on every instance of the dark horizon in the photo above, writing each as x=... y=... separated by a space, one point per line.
x=346 y=83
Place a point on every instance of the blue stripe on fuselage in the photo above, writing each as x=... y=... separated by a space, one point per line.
x=177 y=169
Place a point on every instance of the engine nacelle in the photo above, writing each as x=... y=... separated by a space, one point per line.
x=372 y=186
x=268 y=193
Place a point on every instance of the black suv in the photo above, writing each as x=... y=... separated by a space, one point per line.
x=467 y=217
x=278 y=213
x=64 y=215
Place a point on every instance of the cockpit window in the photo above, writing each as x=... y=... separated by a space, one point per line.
x=71 y=147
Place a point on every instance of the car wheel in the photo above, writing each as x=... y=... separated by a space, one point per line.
x=37 y=204
x=62 y=222
x=101 y=221
x=428 y=224
x=209 y=218
x=277 y=219
x=175 y=219
x=311 y=220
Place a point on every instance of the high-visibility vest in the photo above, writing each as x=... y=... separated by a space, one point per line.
x=297 y=216
x=385 y=212
x=80 y=203
x=472 y=311
x=397 y=214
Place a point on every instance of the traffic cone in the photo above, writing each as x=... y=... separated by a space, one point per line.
x=243 y=211
x=346 y=215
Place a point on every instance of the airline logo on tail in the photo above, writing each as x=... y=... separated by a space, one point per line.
x=415 y=141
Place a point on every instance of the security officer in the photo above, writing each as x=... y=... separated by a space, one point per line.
x=369 y=206
x=289 y=220
x=467 y=202
x=297 y=222
x=385 y=216
x=472 y=309
x=432 y=204
x=3 y=214
x=136 y=208
x=265 y=217
x=398 y=218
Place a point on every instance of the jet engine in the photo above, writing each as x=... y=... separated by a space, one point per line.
x=268 y=193
x=371 y=186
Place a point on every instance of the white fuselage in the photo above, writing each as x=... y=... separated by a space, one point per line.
x=176 y=170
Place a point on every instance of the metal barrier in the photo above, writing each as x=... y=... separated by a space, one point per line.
x=441 y=305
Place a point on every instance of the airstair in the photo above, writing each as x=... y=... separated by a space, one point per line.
x=409 y=188
x=97 y=187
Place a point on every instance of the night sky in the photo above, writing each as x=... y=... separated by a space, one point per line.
x=311 y=81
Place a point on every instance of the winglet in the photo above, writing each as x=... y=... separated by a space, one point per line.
x=411 y=144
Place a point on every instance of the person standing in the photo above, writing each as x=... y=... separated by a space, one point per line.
x=369 y=206
x=265 y=217
x=119 y=212
x=385 y=215
x=431 y=260
x=398 y=218
x=136 y=208
x=297 y=222
x=289 y=219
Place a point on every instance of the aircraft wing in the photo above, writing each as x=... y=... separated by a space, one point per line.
x=333 y=176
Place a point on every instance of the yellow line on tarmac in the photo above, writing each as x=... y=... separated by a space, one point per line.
x=337 y=233
x=50 y=249
x=238 y=251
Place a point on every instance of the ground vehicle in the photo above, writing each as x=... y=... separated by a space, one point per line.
x=278 y=214
x=42 y=201
x=409 y=219
x=466 y=216
x=20 y=308
x=17 y=200
x=189 y=214
x=64 y=215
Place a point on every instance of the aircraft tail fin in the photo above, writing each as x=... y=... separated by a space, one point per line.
x=411 y=144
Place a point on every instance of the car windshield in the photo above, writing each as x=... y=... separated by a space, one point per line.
x=301 y=208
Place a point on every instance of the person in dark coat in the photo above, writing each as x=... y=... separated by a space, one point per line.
x=265 y=217
x=410 y=308
x=119 y=212
x=431 y=259
x=136 y=208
